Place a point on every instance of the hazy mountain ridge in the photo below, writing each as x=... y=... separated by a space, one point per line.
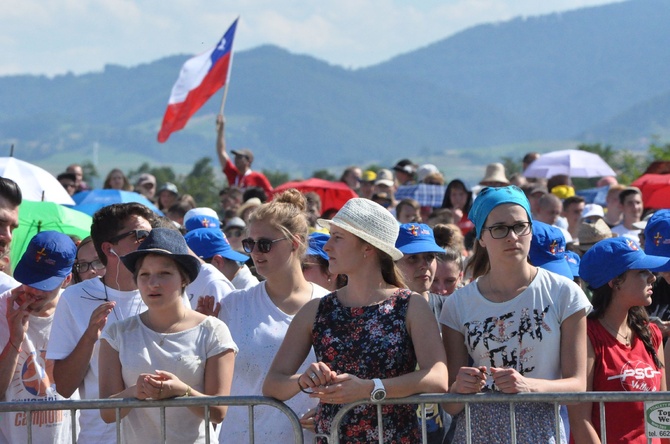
x=596 y=74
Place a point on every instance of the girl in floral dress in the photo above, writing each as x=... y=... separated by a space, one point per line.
x=368 y=336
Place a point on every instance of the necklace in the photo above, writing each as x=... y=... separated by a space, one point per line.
x=172 y=329
x=626 y=338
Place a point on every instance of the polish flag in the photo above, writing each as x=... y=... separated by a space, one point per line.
x=199 y=79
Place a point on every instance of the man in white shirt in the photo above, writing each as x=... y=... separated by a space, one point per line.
x=26 y=317
x=86 y=308
x=630 y=202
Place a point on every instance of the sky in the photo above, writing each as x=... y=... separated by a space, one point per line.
x=58 y=36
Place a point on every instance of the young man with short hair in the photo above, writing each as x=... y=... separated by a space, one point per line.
x=630 y=204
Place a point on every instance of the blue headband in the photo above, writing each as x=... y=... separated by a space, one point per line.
x=491 y=197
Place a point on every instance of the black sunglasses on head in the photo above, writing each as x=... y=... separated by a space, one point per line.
x=140 y=235
x=264 y=245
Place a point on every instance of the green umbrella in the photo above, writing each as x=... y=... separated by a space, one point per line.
x=46 y=216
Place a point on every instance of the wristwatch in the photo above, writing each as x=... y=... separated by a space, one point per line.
x=379 y=392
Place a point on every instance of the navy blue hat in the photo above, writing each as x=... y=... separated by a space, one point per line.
x=207 y=243
x=416 y=238
x=491 y=197
x=165 y=242
x=47 y=261
x=315 y=244
x=612 y=257
x=573 y=261
x=657 y=234
x=547 y=249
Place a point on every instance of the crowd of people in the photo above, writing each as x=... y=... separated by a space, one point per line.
x=514 y=285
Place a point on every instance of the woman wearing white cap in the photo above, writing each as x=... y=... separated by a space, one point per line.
x=515 y=328
x=368 y=336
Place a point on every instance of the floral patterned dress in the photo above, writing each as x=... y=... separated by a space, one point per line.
x=369 y=342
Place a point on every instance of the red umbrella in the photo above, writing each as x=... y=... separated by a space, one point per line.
x=655 y=190
x=332 y=194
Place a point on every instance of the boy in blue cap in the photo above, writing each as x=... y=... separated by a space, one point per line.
x=212 y=246
x=26 y=315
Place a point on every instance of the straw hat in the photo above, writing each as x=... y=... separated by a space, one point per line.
x=251 y=203
x=495 y=172
x=590 y=233
x=369 y=221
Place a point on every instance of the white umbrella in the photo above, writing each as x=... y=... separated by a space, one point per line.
x=573 y=163
x=36 y=183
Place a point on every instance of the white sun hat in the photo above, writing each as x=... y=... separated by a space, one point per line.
x=369 y=221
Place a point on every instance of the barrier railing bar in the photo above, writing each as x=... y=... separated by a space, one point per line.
x=73 y=425
x=30 y=426
x=512 y=419
x=252 y=437
x=557 y=418
x=424 y=430
x=603 y=427
x=117 y=412
x=380 y=424
x=468 y=424
x=163 y=425
x=207 y=420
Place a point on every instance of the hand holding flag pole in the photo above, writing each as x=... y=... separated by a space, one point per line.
x=200 y=78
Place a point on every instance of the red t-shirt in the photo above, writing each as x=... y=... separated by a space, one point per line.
x=250 y=179
x=621 y=368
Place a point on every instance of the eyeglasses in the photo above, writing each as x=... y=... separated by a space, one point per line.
x=233 y=232
x=140 y=235
x=83 y=267
x=264 y=245
x=501 y=231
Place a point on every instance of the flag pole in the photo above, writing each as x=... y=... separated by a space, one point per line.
x=230 y=69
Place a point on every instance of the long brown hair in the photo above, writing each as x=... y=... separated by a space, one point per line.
x=638 y=319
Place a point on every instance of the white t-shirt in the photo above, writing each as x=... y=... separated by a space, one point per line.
x=621 y=231
x=7 y=282
x=32 y=381
x=71 y=319
x=523 y=333
x=244 y=279
x=258 y=328
x=210 y=282
x=185 y=354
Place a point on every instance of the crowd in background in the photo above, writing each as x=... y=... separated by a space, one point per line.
x=516 y=285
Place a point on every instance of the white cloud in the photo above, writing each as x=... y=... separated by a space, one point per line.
x=83 y=35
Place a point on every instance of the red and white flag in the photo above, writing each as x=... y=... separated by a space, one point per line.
x=199 y=79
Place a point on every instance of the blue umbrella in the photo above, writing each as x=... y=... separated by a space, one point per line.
x=91 y=201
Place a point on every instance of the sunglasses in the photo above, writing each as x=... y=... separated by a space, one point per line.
x=140 y=235
x=264 y=245
x=83 y=267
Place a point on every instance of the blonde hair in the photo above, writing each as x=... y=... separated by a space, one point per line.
x=286 y=212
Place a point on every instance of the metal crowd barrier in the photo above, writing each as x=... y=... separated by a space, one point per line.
x=118 y=404
x=557 y=399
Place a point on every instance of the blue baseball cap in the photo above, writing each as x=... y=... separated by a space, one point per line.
x=491 y=197
x=201 y=217
x=547 y=249
x=573 y=260
x=657 y=234
x=612 y=257
x=207 y=243
x=47 y=261
x=416 y=238
x=315 y=244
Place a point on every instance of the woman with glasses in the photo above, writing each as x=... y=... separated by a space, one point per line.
x=259 y=316
x=87 y=265
x=515 y=328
